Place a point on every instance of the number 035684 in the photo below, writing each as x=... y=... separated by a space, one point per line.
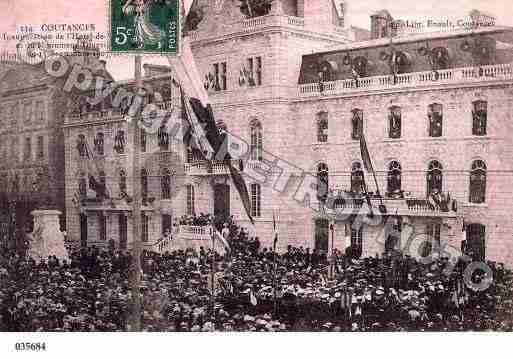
x=26 y=346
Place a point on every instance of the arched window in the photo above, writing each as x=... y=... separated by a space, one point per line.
x=190 y=200
x=394 y=178
x=322 y=127
x=356 y=123
x=144 y=184
x=122 y=182
x=394 y=122
x=434 y=177
x=81 y=145
x=256 y=193
x=357 y=179
x=477 y=190
x=479 y=118
x=322 y=181
x=98 y=143
x=119 y=142
x=82 y=186
x=435 y=116
x=256 y=140
x=475 y=245
x=165 y=183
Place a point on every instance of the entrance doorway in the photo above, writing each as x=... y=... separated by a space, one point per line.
x=321 y=234
x=222 y=201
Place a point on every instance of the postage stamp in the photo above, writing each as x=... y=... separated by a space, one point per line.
x=145 y=26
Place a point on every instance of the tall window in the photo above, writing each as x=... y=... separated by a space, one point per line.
x=163 y=137
x=190 y=200
x=144 y=227
x=434 y=177
x=189 y=155
x=119 y=142
x=167 y=223
x=479 y=118
x=102 y=227
x=475 y=246
x=356 y=123
x=356 y=242
x=144 y=184
x=255 y=199
x=40 y=111
x=433 y=231
x=322 y=181
x=99 y=144
x=394 y=178
x=144 y=140
x=103 y=180
x=122 y=182
x=357 y=179
x=166 y=184
x=219 y=76
x=256 y=140
x=40 y=147
x=322 y=127
x=393 y=228
x=477 y=190
x=254 y=65
x=81 y=145
x=28 y=149
x=394 y=122
x=82 y=186
x=435 y=116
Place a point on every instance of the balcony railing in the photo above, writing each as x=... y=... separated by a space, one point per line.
x=201 y=233
x=428 y=78
x=116 y=112
x=205 y=168
x=162 y=246
x=412 y=207
x=249 y=25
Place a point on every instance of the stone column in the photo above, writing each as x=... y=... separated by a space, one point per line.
x=47 y=238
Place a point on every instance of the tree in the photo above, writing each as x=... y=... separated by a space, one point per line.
x=255 y=8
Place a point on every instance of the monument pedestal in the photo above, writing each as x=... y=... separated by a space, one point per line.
x=47 y=238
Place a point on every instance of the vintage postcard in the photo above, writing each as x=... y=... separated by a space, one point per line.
x=255 y=166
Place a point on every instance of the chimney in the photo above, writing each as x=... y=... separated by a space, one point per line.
x=381 y=24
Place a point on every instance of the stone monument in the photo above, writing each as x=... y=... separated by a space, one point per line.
x=46 y=238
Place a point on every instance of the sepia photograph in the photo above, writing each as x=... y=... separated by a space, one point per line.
x=249 y=166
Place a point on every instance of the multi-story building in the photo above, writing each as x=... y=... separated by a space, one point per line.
x=32 y=104
x=300 y=86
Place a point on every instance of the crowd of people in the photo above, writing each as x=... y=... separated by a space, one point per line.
x=91 y=292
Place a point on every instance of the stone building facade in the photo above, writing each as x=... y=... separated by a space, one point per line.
x=298 y=85
x=444 y=77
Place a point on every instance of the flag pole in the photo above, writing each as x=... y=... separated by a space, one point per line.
x=136 y=212
x=275 y=240
x=212 y=271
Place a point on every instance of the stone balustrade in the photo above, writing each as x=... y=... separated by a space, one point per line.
x=414 y=79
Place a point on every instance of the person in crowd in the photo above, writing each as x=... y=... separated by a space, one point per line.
x=91 y=291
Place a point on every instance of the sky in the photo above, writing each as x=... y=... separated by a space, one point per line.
x=14 y=13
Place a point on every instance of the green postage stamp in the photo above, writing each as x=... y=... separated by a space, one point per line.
x=145 y=26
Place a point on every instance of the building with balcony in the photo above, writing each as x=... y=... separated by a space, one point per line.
x=298 y=86
x=434 y=108
x=32 y=104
